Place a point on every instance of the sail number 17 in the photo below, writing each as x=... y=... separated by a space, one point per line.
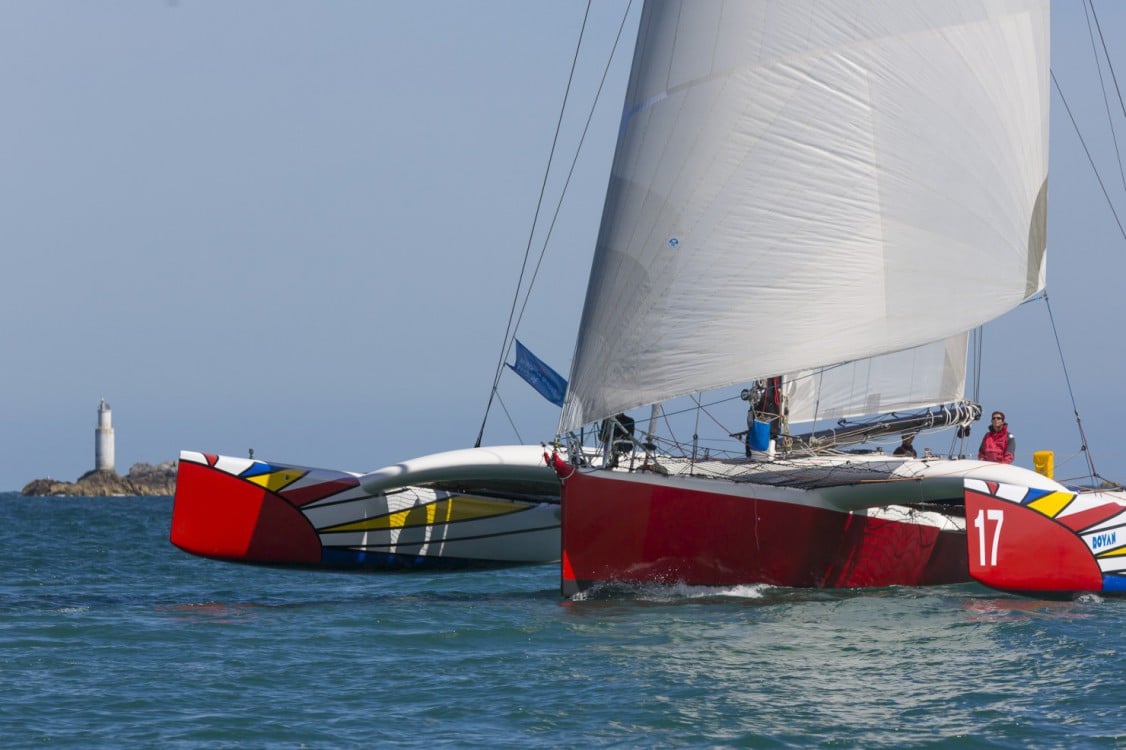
x=980 y=522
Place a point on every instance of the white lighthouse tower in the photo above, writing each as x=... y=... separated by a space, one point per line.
x=103 y=439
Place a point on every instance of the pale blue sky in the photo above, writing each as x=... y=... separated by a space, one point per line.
x=297 y=227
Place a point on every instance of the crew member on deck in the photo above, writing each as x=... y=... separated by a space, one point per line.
x=617 y=437
x=998 y=444
x=906 y=448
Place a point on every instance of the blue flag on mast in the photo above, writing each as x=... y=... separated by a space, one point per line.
x=545 y=380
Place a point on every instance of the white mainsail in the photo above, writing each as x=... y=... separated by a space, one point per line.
x=802 y=183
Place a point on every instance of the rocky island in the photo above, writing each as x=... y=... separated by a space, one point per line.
x=142 y=479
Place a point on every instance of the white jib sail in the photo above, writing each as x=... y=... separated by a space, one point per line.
x=803 y=183
x=913 y=378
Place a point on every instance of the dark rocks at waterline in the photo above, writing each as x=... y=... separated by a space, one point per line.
x=142 y=479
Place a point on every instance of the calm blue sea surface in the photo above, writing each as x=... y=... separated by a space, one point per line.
x=112 y=637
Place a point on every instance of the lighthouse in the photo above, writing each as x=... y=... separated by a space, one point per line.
x=103 y=439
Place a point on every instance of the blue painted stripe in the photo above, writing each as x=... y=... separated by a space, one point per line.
x=1114 y=583
x=1034 y=494
x=343 y=558
x=258 y=468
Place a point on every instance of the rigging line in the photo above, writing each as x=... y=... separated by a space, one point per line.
x=695 y=428
x=978 y=335
x=571 y=171
x=1087 y=151
x=511 y=422
x=531 y=233
x=672 y=439
x=1067 y=378
x=701 y=407
x=1102 y=83
x=979 y=348
x=817 y=398
x=697 y=405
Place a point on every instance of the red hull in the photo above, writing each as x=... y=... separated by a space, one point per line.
x=1029 y=541
x=219 y=515
x=629 y=531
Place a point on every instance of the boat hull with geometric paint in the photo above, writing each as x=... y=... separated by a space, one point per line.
x=484 y=508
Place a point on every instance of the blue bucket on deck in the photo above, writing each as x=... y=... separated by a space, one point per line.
x=758 y=437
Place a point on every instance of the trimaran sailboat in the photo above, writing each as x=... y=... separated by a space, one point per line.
x=796 y=185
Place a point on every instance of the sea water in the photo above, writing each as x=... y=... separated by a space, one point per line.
x=111 y=637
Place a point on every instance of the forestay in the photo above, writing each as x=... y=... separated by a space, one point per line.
x=795 y=189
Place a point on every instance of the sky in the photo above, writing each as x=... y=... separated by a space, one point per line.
x=298 y=227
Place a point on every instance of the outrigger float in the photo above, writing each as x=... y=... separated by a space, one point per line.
x=473 y=508
x=1036 y=541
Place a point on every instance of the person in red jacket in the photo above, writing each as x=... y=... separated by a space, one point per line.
x=998 y=444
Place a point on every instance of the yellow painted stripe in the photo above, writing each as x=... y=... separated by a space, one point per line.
x=443 y=511
x=1051 y=504
x=277 y=480
x=1119 y=552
